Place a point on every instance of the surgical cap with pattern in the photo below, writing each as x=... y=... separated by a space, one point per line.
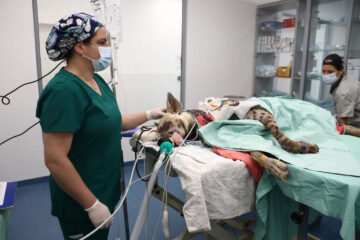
x=69 y=31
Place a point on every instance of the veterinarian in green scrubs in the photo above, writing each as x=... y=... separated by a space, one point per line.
x=344 y=89
x=82 y=125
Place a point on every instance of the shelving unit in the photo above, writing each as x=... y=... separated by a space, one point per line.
x=322 y=27
x=274 y=48
x=325 y=30
x=354 y=41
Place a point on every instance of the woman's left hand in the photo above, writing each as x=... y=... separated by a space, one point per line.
x=155 y=113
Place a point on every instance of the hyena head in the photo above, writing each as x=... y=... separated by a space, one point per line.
x=174 y=120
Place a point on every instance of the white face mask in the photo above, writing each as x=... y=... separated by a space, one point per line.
x=329 y=79
x=104 y=60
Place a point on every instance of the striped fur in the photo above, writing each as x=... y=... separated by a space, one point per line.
x=260 y=114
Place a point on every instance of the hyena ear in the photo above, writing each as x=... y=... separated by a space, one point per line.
x=172 y=104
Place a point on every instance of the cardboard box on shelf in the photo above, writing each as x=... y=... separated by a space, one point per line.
x=284 y=71
x=289 y=22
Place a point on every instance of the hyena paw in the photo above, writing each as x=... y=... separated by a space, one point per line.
x=305 y=147
x=313 y=148
x=277 y=168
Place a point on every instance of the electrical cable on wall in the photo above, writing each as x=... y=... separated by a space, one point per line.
x=18 y=135
x=6 y=101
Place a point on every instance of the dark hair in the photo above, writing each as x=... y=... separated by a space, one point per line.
x=334 y=60
x=71 y=53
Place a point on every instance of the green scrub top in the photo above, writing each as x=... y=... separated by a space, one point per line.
x=68 y=104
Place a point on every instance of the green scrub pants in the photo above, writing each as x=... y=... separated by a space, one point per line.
x=75 y=228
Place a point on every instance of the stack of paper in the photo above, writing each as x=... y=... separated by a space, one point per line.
x=2 y=192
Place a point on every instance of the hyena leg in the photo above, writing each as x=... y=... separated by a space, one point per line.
x=353 y=131
x=275 y=167
x=286 y=143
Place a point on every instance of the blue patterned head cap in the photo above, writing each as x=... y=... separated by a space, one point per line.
x=69 y=31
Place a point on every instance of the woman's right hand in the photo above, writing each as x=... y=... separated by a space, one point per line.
x=98 y=213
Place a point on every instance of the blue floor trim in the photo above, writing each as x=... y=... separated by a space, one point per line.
x=131 y=163
x=46 y=178
x=32 y=181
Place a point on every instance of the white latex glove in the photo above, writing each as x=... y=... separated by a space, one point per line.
x=155 y=113
x=98 y=213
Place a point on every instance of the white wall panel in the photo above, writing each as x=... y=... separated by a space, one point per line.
x=149 y=54
x=20 y=158
x=220 y=49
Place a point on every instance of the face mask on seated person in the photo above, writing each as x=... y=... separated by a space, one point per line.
x=105 y=58
x=329 y=78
